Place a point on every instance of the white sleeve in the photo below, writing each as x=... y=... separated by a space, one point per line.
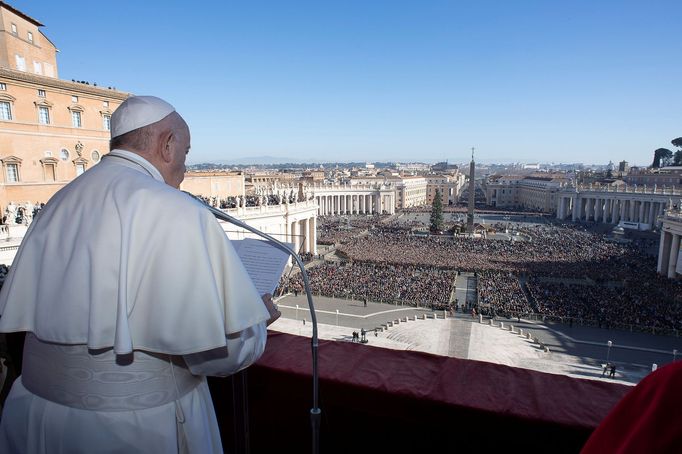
x=240 y=353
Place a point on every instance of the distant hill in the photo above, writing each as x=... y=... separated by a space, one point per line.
x=261 y=160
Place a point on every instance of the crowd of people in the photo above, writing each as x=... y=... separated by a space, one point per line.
x=413 y=285
x=654 y=301
x=554 y=250
x=618 y=285
x=339 y=230
x=500 y=293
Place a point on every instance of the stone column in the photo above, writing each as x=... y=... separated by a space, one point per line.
x=305 y=229
x=632 y=210
x=641 y=212
x=294 y=235
x=673 y=255
x=664 y=252
x=621 y=217
x=312 y=235
x=651 y=221
x=574 y=211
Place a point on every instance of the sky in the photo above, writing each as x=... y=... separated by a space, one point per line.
x=588 y=81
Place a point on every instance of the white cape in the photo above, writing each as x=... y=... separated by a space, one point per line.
x=118 y=258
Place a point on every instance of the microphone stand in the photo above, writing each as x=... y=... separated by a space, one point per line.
x=315 y=412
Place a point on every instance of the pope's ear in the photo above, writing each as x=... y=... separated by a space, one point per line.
x=166 y=147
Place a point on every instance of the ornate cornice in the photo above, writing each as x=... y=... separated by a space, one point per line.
x=62 y=84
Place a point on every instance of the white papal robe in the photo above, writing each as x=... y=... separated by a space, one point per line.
x=129 y=289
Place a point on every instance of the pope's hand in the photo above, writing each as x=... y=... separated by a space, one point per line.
x=272 y=308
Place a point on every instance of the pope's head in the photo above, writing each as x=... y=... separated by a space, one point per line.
x=151 y=127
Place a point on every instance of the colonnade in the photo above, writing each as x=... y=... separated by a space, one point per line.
x=302 y=233
x=356 y=203
x=294 y=223
x=669 y=257
x=601 y=208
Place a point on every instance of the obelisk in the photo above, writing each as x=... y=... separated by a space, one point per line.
x=472 y=189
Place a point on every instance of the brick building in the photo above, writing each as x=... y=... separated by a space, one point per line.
x=51 y=130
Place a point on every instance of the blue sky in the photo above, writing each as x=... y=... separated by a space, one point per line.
x=528 y=81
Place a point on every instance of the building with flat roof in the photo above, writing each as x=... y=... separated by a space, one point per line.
x=535 y=192
x=51 y=130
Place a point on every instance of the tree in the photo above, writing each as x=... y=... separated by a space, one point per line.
x=662 y=158
x=677 y=158
x=437 y=213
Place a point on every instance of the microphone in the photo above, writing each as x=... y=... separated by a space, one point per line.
x=315 y=412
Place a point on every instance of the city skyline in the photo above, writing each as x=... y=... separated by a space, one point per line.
x=397 y=81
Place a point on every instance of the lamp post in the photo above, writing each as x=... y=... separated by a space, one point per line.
x=337 y=317
x=608 y=350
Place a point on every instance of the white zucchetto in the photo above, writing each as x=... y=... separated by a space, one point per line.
x=138 y=111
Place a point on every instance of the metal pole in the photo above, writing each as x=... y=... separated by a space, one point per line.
x=608 y=351
x=315 y=412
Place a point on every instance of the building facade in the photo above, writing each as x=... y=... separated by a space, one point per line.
x=339 y=199
x=294 y=223
x=669 y=254
x=536 y=192
x=218 y=185
x=51 y=130
x=639 y=207
x=449 y=187
x=665 y=177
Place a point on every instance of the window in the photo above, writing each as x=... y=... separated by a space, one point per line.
x=49 y=167
x=64 y=154
x=105 y=104
x=37 y=67
x=95 y=155
x=76 y=119
x=5 y=111
x=80 y=168
x=12 y=173
x=3 y=86
x=49 y=172
x=106 y=122
x=49 y=69
x=30 y=37
x=41 y=93
x=74 y=98
x=44 y=115
x=21 y=62
x=14 y=29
